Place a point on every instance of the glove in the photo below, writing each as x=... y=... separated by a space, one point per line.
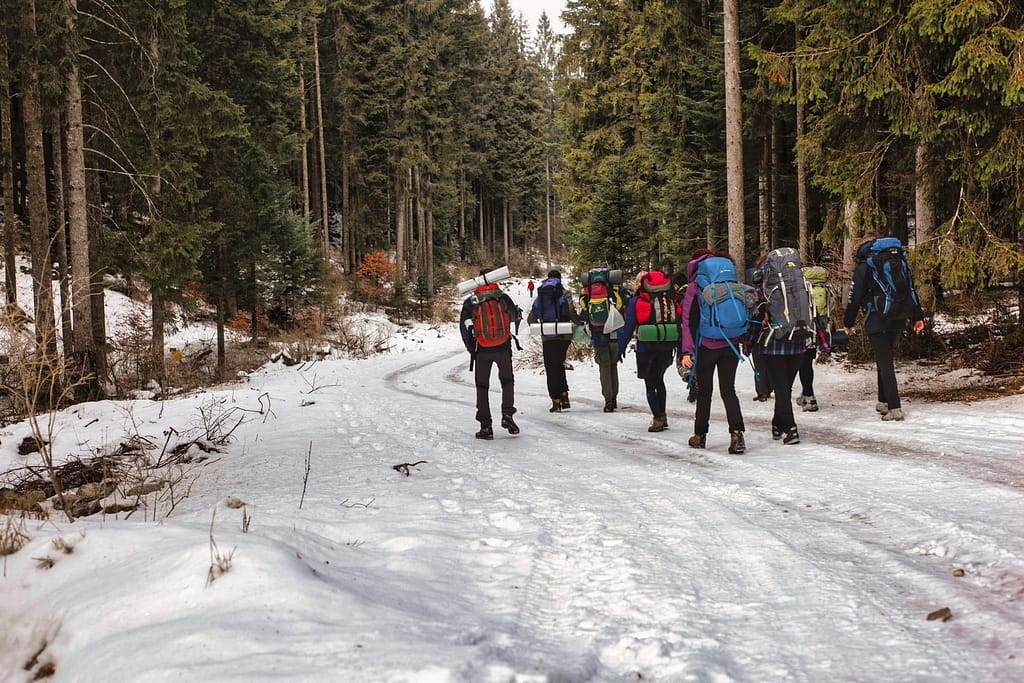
x=621 y=357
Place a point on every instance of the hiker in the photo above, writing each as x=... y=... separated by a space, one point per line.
x=529 y=287
x=821 y=344
x=713 y=343
x=883 y=287
x=653 y=315
x=602 y=302
x=762 y=387
x=786 y=333
x=550 y=308
x=680 y=283
x=485 y=323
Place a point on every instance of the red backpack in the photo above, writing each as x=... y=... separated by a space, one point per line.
x=490 y=317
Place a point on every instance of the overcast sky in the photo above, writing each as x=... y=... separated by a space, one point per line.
x=531 y=11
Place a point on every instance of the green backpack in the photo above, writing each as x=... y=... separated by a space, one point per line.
x=817 y=277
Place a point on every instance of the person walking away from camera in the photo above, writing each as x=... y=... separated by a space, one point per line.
x=529 y=287
x=883 y=288
x=653 y=315
x=485 y=322
x=680 y=283
x=788 y=329
x=821 y=344
x=602 y=303
x=762 y=386
x=551 y=307
x=713 y=344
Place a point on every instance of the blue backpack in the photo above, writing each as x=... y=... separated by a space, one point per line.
x=893 y=295
x=724 y=303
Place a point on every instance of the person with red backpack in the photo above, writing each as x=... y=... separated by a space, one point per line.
x=653 y=314
x=715 y=312
x=486 y=322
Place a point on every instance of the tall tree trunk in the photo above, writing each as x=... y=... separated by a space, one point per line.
x=850 y=240
x=157 y=370
x=39 y=215
x=78 y=227
x=399 y=223
x=60 y=242
x=320 y=142
x=764 y=238
x=734 y=135
x=924 y=222
x=96 y=287
x=305 y=140
x=480 y=221
x=801 y=177
x=773 y=180
x=547 y=204
x=506 y=238
x=10 y=234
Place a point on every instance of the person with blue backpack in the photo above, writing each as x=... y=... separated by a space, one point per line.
x=716 y=312
x=883 y=287
x=554 y=311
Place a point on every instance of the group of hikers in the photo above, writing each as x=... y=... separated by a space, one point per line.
x=704 y=320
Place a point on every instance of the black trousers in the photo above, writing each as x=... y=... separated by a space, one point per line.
x=883 y=344
x=724 y=361
x=651 y=366
x=554 y=365
x=782 y=371
x=807 y=372
x=485 y=358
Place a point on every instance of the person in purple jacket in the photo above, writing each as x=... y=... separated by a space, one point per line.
x=711 y=354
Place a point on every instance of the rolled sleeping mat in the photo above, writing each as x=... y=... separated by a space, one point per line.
x=551 y=329
x=496 y=275
x=614 y=278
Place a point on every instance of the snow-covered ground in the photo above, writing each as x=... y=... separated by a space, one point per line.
x=583 y=549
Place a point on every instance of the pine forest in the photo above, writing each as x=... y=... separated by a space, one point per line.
x=258 y=156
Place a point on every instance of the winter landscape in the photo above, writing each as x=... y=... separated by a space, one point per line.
x=336 y=521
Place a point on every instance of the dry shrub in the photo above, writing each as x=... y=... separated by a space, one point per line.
x=376 y=277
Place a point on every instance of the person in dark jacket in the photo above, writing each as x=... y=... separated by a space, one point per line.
x=882 y=334
x=606 y=343
x=551 y=306
x=482 y=358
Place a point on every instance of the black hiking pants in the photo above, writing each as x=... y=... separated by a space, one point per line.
x=782 y=372
x=724 y=361
x=555 y=351
x=883 y=344
x=650 y=367
x=807 y=372
x=485 y=358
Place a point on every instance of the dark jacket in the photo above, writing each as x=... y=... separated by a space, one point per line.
x=861 y=292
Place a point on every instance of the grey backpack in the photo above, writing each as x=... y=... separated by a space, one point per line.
x=790 y=317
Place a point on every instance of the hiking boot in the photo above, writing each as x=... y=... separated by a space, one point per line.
x=485 y=433
x=609 y=407
x=509 y=424
x=698 y=440
x=736 y=443
x=565 y=400
x=659 y=424
x=801 y=400
x=882 y=408
x=762 y=397
x=810 y=404
x=792 y=437
x=894 y=415
x=556 y=406
x=776 y=433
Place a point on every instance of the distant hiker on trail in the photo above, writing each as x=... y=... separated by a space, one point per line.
x=529 y=287
x=486 y=326
x=724 y=311
x=883 y=287
x=653 y=313
x=786 y=333
x=602 y=302
x=555 y=313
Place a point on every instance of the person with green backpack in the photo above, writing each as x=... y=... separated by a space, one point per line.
x=602 y=302
x=816 y=278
